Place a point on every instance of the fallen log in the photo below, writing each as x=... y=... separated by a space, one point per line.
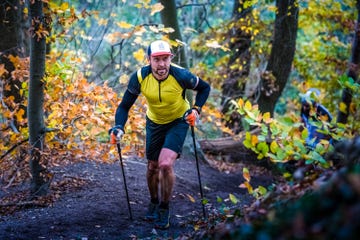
x=226 y=145
x=222 y=145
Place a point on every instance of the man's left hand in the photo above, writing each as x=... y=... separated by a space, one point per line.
x=191 y=116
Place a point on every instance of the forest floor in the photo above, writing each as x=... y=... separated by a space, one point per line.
x=88 y=201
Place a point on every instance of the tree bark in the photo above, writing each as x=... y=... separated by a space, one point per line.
x=39 y=184
x=353 y=70
x=239 y=41
x=274 y=79
x=169 y=19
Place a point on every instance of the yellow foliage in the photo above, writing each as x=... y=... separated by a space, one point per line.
x=248 y=106
x=267 y=118
x=139 y=55
x=157 y=7
x=123 y=24
x=246 y=174
x=254 y=140
x=240 y=102
x=353 y=108
x=103 y=22
x=342 y=107
x=274 y=147
x=64 y=6
x=2 y=70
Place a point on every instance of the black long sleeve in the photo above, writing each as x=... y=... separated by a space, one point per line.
x=203 y=91
x=122 y=111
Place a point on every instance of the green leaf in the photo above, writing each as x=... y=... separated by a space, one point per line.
x=233 y=199
x=274 y=147
x=263 y=148
x=261 y=138
x=304 y=133
x=247 y=144
x=204 y=201
x=287 y=121
x=281 y=154
x=264 y=129
x=262 y=190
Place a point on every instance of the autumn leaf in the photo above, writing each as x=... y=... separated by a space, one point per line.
x=157 y=7
x=123 y=24
x=240 y=102
x=139 y=55
x=274 y=146
x=263 y=148
x=249 y=187
x=261 y=190
x=233 y=199
x=64 y=6
x=2 y=70
x=103 y=22
x=342 y=107
x=353 y=108
x=214 y=44
x=254 y=140
x=248 y=106
x=246 y=174
x=267 y=118
x=191 y=198
x=167 y=30
x=19 y=114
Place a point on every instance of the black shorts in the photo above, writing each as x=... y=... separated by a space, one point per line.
x=171 y=135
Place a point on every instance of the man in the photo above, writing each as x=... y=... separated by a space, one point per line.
x=311 y=113
x=167 y=121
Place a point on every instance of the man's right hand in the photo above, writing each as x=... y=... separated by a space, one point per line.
x=116 y=134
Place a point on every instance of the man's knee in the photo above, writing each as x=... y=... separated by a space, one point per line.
x=152 y=167
x=167 y=158
x=166 y=168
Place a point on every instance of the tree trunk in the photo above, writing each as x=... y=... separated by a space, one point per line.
x=353 y=70
x=239 y=41
x=169 y=19
x=39 y=184
x=282 y=54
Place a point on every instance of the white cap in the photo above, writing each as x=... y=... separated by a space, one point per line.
x=158 y=48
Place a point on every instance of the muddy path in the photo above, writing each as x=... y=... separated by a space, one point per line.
x=98 y=209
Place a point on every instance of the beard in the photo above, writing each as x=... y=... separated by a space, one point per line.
x=161 y=74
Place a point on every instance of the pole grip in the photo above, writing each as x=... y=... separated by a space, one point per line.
x=112 y=138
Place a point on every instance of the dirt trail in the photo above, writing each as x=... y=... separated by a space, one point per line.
x=98 y=210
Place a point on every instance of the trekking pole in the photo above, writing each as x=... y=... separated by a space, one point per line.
x=198 y=171
x=125 y=185
x=113 y=140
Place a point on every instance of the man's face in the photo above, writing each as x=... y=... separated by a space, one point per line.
x=160 y=66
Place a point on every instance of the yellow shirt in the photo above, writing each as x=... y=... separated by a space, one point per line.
x=166 y=99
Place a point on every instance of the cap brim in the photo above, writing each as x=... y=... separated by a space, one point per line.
x=160 y=54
